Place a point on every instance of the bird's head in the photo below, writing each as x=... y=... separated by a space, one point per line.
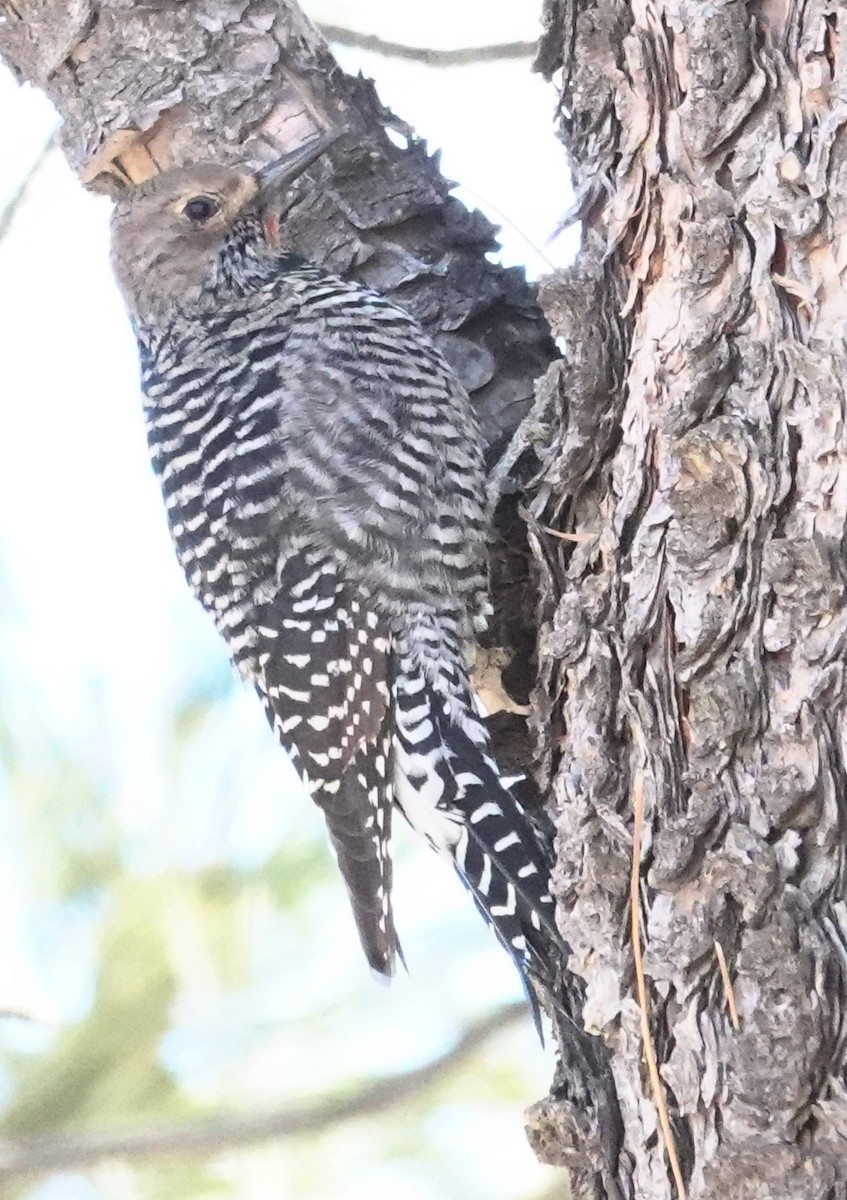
x=182 y=234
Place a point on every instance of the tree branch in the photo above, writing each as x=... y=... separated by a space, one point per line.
x=13 y=204
x=65 y=1151
x=459 y=57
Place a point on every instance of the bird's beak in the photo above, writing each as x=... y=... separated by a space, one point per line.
x=277 y=177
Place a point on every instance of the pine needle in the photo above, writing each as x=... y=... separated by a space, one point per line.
x=567 y=537
x=643 y=1005
x=727 y=987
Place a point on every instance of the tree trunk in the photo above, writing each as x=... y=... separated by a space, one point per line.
x=689 y=523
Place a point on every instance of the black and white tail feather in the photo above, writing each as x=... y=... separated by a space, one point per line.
x=450 y=790
x=389 y=719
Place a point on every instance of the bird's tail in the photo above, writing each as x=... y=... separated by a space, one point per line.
x=359 y=826
x=322 y=680
x=449 y=788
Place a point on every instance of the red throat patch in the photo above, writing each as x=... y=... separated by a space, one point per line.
x=271 y=223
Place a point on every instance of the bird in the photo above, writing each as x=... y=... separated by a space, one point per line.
x=322 y=472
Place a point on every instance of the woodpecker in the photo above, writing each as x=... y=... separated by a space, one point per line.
x=322 y=471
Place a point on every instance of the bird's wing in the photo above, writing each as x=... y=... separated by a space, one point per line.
x=378 y=439
x=322 y=654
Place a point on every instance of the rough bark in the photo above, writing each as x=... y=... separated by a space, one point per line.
x=145 y=84
x=689 y=523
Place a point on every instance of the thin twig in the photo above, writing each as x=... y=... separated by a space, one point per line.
x=18 y=196
x=729 y=992
x=66 y=1151
x=490 y=207
x=427 y=54
x=641 y=984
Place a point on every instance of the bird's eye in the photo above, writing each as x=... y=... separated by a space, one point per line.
x=200 y=209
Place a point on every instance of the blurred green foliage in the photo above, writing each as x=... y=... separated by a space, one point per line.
x=200 y=992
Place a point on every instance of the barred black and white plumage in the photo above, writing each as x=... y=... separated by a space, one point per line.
x=322 y=472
